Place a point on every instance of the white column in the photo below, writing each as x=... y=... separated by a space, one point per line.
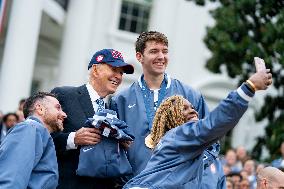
x=74 y=57
x=163 y=19
x=19 y=53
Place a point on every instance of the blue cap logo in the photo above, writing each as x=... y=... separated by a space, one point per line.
x=100 y=58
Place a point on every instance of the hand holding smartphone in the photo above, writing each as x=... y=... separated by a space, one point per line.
x=259 y=64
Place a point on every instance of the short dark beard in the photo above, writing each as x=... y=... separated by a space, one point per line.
x=54 y=125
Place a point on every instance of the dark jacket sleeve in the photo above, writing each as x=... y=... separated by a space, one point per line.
x=60 y=138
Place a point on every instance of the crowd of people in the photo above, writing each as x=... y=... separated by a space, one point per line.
x=159 y=133
x=241 y=170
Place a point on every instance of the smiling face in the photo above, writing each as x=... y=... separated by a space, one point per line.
x=154 y=59
x=53 y=116
x=105 y=79
x=188 y=111
x=172 y=112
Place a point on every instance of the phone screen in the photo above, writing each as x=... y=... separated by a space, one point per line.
x=259 y=64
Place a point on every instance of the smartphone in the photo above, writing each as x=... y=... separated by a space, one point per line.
x=259 y=64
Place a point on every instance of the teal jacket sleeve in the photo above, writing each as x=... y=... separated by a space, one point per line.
x=224 y=117
x=17 y=157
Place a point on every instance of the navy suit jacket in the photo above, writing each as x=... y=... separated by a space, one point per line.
x=76 y=103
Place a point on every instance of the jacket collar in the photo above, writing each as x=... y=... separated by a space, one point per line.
x=167 y=76
x=34 y=118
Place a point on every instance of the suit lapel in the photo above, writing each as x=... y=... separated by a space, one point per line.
x=85 y=101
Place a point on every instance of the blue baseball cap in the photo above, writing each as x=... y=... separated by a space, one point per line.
x=111 y=57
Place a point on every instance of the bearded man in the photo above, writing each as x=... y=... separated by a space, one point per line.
x=27 y=154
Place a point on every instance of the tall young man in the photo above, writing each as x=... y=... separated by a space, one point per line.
x=137 y=104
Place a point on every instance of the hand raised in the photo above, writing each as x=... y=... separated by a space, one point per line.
x=262 y=79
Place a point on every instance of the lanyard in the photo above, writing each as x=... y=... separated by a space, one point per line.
x=148 y=97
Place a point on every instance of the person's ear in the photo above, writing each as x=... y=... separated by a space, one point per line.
x=264 y=182
x=39 y=109
x=139 y=56
x=95 y=70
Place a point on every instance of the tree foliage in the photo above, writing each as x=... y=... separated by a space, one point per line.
x=244 y=29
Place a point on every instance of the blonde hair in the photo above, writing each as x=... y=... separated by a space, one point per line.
x=169 y=115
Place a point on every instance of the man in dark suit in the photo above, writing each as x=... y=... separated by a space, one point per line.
x=105 y=75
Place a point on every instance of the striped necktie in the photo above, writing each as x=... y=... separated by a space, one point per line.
x=101 y=104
